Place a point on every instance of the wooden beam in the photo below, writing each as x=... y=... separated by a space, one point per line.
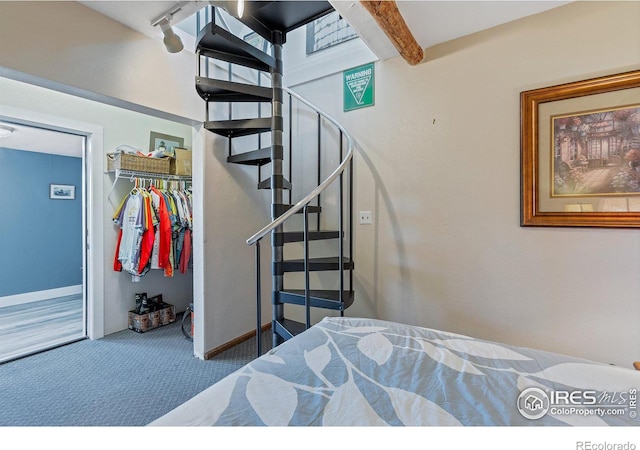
x=387 y=15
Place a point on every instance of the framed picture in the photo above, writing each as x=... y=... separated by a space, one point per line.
x=165 y=143
x=580 y=153
x=62 y=191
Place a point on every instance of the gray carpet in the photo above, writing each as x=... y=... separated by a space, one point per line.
x=124 y=379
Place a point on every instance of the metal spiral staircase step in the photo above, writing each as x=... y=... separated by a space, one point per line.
x=280 y=209
x=213 y=90
x=287 y=328
x=216 y=42
x=298 y=236
x=280 y=183
x=315 y=265
x=326 y=299
x=239 y=127
x=258 y=157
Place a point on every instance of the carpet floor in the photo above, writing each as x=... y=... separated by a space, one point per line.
x=124 y=379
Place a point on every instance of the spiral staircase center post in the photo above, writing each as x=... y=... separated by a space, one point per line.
x=277 y=174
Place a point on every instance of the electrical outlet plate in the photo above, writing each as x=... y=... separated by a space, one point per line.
x=366 y=218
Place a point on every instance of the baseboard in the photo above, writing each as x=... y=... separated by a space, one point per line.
x=28 y=297
x=216 y=351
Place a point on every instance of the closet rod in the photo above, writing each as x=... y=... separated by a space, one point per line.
x=131 y=174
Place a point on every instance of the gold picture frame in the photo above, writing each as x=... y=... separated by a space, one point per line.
x=576 y=160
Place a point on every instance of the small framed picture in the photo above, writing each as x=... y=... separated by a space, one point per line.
x=165 y=143
x=62 y=191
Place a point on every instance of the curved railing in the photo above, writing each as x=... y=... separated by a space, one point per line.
x=302 y=205
x=321 y=187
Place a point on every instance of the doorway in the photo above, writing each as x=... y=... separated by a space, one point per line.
x=43 y=291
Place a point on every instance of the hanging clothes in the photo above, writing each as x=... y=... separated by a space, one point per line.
x=163 y=241
x=155 y=231
x=183 y=242
x=131 y=219
x=148 y=235
x=185 y=257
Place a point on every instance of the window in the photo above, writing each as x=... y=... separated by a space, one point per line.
x=328 y=31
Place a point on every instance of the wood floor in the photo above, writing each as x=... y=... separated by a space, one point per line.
x=37 y=326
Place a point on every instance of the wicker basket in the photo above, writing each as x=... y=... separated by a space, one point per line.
x=124 y=161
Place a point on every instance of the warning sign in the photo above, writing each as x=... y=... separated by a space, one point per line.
x=358 y=87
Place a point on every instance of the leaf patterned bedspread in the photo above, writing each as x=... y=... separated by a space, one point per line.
x=359 y=372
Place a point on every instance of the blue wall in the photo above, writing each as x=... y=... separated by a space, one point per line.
x=40 y=238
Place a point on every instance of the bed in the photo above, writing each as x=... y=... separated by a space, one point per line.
x=360 y=372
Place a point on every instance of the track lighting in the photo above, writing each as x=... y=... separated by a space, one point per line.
x=177 y=12
x=172 y=41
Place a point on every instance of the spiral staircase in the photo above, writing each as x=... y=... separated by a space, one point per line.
x=216 y=44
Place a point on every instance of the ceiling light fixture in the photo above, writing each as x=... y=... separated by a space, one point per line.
x=171 y=40
x=235 y=8
x=240 y=8
x=5 y=131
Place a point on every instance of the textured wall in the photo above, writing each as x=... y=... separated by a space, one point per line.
x=439 y=166
x=77 y=47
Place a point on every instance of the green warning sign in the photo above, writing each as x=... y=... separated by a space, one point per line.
x=358 y=87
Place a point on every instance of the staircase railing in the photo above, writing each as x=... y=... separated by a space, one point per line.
x=302 y=205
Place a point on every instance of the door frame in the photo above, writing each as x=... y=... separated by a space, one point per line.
x=92 y=211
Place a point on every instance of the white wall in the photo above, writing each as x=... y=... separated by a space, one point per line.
x=233 y=210
x=67 y=43
x=438 y=164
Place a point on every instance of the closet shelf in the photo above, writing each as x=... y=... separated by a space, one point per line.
x=133 y=174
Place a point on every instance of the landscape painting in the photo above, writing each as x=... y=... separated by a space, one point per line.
x=596 y=153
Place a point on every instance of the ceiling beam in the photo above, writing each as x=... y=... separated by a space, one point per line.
x=388 y=17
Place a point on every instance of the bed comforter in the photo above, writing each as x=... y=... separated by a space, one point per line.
x=357 y=372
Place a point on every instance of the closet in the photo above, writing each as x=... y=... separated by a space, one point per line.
x=153 y=238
